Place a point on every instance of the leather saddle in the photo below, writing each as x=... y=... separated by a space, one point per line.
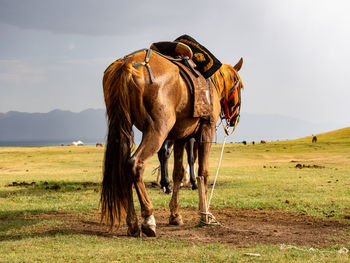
x=198 y=85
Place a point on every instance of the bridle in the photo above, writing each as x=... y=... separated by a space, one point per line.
x=234 y=114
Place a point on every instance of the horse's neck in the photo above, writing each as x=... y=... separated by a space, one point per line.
x=220 y=84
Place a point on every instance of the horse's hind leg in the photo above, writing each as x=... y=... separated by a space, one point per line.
x=191 y=158
x=131 y=218
x=178 y=174
x=150 y=144
x=163 y=157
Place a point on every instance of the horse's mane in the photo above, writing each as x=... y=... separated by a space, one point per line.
x=227 y=73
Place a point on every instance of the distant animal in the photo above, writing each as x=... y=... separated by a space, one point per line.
x=314 y=139
x=99 y=144
x=161 y=108
x=253 y=142
x=262 y=142
x=244 y=142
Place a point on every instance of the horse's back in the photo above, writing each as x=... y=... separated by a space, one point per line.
x=166 y=99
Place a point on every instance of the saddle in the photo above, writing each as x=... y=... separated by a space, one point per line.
x=181 y=55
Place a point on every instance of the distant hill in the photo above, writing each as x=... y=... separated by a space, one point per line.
x=340 y=135
x=90 y=126
x=55 y=126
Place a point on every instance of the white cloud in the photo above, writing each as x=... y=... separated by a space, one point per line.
x=19 y=72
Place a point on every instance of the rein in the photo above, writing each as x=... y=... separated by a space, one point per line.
x=225 y=111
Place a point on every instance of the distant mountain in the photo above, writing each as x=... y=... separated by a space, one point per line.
x=90 y=126
x=56 y=125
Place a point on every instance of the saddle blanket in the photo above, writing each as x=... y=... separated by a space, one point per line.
x=207 y=64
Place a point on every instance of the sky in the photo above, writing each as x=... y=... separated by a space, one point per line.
x=296 y=52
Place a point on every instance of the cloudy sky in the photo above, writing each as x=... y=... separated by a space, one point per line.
x=296 y=52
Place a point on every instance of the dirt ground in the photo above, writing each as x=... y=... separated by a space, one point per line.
x=240 y=227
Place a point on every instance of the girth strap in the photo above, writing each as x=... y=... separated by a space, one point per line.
x=184 y=60
x=146 y=63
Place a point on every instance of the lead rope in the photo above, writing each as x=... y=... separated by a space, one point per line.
x=217 y=170
x=212 y=219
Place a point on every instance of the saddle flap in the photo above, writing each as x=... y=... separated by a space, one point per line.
x=202 y=93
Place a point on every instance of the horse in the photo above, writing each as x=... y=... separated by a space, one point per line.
x=160 y=105
x=163 y=157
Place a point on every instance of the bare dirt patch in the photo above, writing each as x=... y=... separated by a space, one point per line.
x=239 y=227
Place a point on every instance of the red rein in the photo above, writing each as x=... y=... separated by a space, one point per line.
x=226 y=110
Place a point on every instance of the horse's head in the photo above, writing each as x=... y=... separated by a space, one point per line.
x=231 y=101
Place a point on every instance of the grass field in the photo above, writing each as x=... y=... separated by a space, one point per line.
x=38 y=218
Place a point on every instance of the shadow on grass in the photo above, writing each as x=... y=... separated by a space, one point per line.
x=55 y=232
x=12 y=215
x=37 y=188
x=8 y=225
x=11 y=230
x=12 y=223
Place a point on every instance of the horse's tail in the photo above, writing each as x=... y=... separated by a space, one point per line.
x=116 y=184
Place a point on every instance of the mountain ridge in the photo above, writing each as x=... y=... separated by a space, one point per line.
x=91 y=124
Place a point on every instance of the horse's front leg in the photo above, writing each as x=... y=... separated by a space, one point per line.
x=178 y=174
x=205 y=141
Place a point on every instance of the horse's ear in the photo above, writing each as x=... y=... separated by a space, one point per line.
x=238 y=66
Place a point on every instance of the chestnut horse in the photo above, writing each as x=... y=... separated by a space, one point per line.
x=161 y=108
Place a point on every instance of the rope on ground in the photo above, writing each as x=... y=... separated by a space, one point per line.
x=212 y=219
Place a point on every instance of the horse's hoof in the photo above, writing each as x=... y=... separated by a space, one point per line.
x=148 y=226
x=176 y=220
x=134 y=232
x=168 y=190
x=149 y=231
x=194 y=187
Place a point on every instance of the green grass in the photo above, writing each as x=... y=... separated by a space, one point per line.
x=82 y=248
x=260 y=176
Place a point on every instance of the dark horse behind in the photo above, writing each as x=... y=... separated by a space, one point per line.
x=161 y=109
x=163 y=157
